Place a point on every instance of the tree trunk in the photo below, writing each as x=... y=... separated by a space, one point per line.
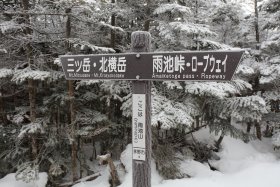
x=71 y=106
x=148 y=14
x=140 y=42
x=31 y=84
x=218 y=143
x=3 y=115
x=257 y=24
x=258 y=130
x=249 y=125
x=113 y=33
x=73 y=129
x=197 y=121
x=32 y=103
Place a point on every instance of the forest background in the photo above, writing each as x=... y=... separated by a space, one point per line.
x=49 y=124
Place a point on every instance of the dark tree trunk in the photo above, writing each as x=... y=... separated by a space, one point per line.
x=140 y=42
x=71 y=106
x=32 y=103
x=31 y=84
x=197 y=121
x=218 y=143
x=113 y=33
x=2 y=111
x=258 y=130
x=249 y=125
x=257 y=23
x=148 y=14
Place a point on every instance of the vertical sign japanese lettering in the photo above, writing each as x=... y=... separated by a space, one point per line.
x=138 y=127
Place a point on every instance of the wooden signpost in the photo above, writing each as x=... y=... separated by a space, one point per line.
x=142 y=67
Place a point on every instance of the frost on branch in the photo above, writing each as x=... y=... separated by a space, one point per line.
x=247 y=109
x=103 y=24
x=25 y=74
x=127 y=105
x=272 y=45
x=276 y=139
x=188 y=28
x=170 y=114
x=28 y=172
x=76 y=42
x=245 y=70
x=217 y=89
x=173 y=85
x=269 y=73
x=87 y=117
x=31 y=128
x=8 y=26
x=55 y=170
x=84 y=83
x=172 y=8
x=6 y=73
x=209 y=44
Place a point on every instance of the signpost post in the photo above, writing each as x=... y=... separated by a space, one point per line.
x=142 y=67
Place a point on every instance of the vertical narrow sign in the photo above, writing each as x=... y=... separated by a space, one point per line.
x=138 y=127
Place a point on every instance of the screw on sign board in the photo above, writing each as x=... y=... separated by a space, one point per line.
x=193 y=65
x=143 y=67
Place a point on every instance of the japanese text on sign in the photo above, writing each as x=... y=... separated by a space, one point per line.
x=138 y=127
x=82 y=67
x=171 y=64
x=192 y=65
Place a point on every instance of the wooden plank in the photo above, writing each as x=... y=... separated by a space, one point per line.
x=140 y=42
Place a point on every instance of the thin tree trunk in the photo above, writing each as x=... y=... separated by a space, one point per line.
x=258 y=130
x=197 y=121
x=148 y=14
x=71 y=106
x=31 y=85
x=257 y=23
x=218 y=143
x=249 y=125
x=140 y=42
x=196 y=21
x=113 y=23
x=2 y=111
x=32 y=103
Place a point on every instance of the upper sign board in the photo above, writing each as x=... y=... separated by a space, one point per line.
x=180 y=66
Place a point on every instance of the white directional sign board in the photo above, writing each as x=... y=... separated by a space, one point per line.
x=138 y=127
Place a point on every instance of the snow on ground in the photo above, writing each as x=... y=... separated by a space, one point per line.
x=253 y=164
x=244 y=165
x=10 y=181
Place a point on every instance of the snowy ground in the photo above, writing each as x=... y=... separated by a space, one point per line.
x=243 y=165
x=10 y=181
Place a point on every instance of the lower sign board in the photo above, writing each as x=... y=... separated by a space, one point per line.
x=193 y=65
x=138 y=127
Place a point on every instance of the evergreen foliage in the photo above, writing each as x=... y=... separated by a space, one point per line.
x=37 y=129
